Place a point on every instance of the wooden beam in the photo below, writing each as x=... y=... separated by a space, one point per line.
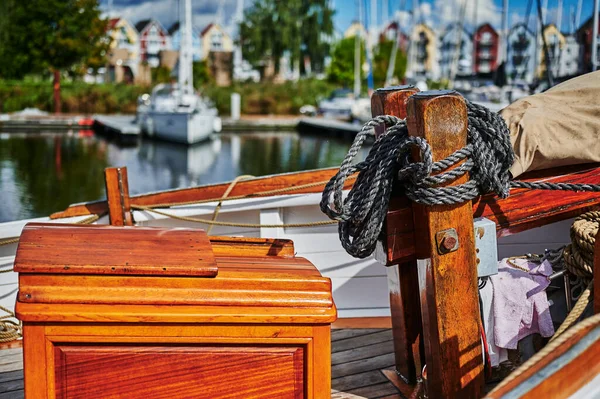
x=447 y=280
x=402 y=277
x=117 y=196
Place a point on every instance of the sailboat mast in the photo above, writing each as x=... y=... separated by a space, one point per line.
x=595 y=36
x=185 y=52
x=357 y=40
x=504 y=38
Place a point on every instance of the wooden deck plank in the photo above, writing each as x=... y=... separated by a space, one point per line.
x=375 y=391
x=364 y=352
x=363 y=340
x=360 y=366
x=355 y=381
x=11 y=376
x=353 y=332
x=13 y=395
x=10 y=386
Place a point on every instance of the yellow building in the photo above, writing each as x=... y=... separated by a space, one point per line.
x=123 y=56
x=556 y=42
x=354 y=29
x=215 y=39
x=424 y=60
x=124 y=36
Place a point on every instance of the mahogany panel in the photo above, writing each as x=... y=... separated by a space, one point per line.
x=245 y=187
x=447 y=281
x=89 y=371
x=117 y=196
x=101 y=249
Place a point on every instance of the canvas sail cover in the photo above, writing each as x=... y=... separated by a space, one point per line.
x=558 y=127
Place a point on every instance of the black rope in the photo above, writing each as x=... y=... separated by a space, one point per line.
x=487 y=158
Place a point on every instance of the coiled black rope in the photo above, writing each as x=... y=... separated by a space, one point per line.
x=487 y=157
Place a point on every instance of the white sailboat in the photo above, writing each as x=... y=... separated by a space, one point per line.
x=175 y=112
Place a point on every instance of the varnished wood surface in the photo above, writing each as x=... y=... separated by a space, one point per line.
x=403 y=278
x=179 y=371
x=447 y=281
x=99 y=249
x=363 y=354
x=523 y=210
x=244 y=187
x=117 y=195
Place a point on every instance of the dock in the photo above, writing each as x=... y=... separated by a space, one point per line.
x=361 y=361
x=329 y=127
x=123 y=126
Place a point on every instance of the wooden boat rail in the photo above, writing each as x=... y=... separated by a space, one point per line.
x=433 y=296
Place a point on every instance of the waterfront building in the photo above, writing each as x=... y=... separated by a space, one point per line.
x=486 y=50
x=584 y=37
x=123 y=55
x=355 y=28
x=214 y=39
x=153 y=39
x=555 y=41
x=456 y=52
x=423 y=62
x=390 y=32
x=569 y=58
x=175 y=34
x=521 y=52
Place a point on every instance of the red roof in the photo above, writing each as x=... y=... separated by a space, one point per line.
x=206 y=29
x=112 y=23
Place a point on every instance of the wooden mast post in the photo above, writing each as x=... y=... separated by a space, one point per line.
x=402 y=277
x=447 y=273
x=117 y=196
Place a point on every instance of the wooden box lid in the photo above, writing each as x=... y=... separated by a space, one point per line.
x=111 y=250
x=62 y=278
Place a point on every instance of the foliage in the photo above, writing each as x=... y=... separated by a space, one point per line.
x=201 y=74
x=38 y=36
x=381 y=60
x=78 y=97
x=438 y=84
x=267 y=98
x=271 y=28
x=161 y=74
x=341 y=69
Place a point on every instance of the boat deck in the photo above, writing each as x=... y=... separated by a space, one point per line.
x=358 y=357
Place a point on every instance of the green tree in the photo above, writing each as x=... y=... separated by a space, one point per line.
x=301 y=27
x=50 y=36
x=341 y=69
x=201 y=74
x=381 y=61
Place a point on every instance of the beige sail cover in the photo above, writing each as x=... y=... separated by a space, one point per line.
x=558 y=127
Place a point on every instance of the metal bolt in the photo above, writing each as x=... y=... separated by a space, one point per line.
x=448 y=242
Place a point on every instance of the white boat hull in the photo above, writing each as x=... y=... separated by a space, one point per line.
x=181 y=127
x=359 y=285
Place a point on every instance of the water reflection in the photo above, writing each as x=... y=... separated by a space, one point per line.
x=40 y=174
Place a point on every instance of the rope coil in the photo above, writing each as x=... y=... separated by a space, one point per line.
x=486 y=158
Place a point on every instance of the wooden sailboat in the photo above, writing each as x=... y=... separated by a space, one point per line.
x=434 y=318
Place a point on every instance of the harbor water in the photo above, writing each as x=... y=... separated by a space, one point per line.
x=43 y=173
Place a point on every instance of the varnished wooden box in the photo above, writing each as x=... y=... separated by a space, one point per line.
x=132 y=312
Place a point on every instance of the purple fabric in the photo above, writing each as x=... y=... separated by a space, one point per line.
x=520 y=304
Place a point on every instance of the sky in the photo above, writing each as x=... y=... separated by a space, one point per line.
x=435 y=12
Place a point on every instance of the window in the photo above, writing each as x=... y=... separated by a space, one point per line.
x=216 y=41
